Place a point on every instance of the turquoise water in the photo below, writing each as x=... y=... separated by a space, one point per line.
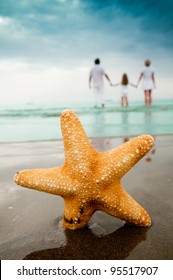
x=27 y=122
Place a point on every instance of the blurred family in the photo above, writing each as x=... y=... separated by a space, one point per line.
x=97 y=75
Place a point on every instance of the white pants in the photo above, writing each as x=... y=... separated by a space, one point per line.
x=99 y=96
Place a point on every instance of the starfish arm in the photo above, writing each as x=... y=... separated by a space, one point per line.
x=123 y=158
x=120 y=204
x=77 y=213
x=77 y=147
x=51 y=180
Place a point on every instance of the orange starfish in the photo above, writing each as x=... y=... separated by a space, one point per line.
x=90 y=180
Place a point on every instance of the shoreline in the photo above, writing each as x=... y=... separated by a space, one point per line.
x=91 y=138
x=34 y=125
x=30 y=221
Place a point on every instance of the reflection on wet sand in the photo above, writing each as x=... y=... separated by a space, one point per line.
x=125 y=117
x=125 y=139
x=98 y=123
x=83 y=244
x=151 y=154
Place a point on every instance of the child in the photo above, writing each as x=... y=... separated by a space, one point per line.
x=124 y=90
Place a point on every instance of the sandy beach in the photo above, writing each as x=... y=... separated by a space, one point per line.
x=30 y=221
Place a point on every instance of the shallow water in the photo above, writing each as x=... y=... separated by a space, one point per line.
x=27 y=122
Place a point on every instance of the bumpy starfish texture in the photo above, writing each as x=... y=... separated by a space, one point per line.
x=90 y=180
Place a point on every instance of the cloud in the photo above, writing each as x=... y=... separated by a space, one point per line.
x=50 y=30
x=55 y=42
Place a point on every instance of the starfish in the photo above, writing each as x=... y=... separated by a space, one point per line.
x=90 y=180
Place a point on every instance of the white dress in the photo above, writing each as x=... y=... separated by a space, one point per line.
x=147 y=78
x=124 y=91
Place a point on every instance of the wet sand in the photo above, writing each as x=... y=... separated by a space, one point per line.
x=30 y=221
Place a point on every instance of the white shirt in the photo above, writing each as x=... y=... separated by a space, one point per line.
x=97 y=73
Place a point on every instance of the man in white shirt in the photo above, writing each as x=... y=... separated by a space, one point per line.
x=96 y=76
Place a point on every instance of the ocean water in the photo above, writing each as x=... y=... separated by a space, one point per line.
x=30 y=122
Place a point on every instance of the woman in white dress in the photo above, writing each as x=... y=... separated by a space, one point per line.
x=148 y=84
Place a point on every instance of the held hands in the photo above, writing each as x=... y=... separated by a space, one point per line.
x=114 y=85
x=133 y=85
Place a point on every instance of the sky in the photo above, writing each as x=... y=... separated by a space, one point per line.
x=47 y=47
